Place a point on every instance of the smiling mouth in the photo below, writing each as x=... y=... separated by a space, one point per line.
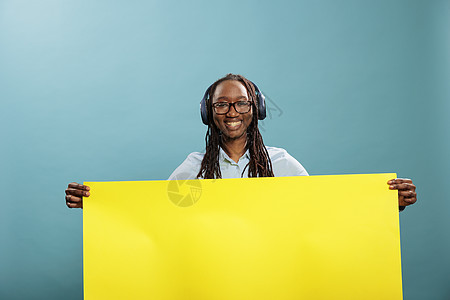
x=233 y=125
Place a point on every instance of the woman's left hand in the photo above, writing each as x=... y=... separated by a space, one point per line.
x=406 y=190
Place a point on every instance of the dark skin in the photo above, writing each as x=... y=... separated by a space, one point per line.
x=75 y=193
x=233 y=127
x=406 y=190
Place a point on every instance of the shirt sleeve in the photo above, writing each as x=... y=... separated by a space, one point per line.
x=284 y=164
x=189 y=168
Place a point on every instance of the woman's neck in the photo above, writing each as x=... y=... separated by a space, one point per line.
x=235 y=148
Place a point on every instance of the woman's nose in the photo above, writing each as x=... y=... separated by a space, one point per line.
x=232 y=111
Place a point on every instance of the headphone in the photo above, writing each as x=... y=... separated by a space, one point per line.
x=260 y=98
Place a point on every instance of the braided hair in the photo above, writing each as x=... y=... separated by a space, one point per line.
x=260 y=164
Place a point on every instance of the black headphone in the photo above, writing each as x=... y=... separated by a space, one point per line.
x=259 y=98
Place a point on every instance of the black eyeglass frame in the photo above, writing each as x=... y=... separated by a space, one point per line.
x=250 y=102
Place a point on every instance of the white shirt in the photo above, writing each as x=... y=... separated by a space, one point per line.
x=283 y=165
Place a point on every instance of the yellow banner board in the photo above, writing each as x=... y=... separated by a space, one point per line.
x=308 y=237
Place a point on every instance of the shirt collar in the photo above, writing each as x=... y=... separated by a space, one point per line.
x=224 y=156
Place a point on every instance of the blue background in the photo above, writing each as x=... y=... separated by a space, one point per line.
x=109 y=90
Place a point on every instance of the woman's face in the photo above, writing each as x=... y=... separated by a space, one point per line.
x=233 y=125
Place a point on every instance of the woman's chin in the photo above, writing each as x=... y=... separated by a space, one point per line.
x=233 y=135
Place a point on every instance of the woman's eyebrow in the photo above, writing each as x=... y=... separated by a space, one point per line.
x=226 y=98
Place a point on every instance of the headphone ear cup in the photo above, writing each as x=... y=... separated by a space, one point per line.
x=203 y=109
x=261 y=106
x=261 y=103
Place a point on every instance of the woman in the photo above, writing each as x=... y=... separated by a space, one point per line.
x=234 y=146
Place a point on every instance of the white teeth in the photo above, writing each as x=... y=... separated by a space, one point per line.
x=233 y=123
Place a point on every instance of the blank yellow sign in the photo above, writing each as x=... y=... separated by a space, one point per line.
x=316 y=237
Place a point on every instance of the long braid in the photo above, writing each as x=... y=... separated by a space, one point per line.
x=260 y=164
x=210 y=163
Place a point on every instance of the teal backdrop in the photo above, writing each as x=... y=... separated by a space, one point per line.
x=110 y=90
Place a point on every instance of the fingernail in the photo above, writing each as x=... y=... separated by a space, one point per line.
x=88 y=188
x=391 y=186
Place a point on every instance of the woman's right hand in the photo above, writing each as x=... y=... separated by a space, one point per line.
x=75 y=193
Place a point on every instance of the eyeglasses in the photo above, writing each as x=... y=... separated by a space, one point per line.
x=222 y=108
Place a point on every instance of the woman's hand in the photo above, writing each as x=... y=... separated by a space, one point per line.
x=406 y=191
x=75 y=193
